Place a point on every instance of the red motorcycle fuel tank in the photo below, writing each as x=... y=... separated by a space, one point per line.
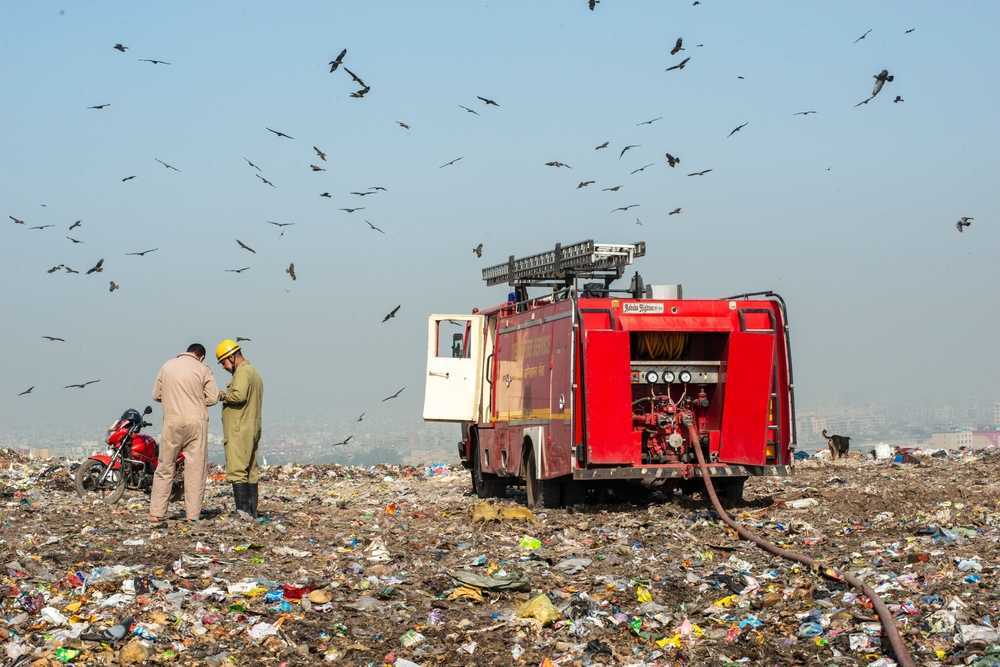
x=144 y=449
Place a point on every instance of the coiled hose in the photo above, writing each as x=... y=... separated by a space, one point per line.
x=885 y=616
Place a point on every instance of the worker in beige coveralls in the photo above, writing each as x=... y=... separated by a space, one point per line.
x=241 y=411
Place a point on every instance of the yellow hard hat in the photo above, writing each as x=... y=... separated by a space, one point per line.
x=225 y=349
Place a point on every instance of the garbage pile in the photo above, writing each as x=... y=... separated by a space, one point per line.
x=400 y=565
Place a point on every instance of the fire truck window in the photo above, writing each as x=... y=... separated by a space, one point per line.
x=452 y=339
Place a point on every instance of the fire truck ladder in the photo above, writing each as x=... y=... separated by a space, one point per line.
x=561 y=266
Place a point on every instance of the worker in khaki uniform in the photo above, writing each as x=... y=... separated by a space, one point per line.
x=186 y=388
x=241 y=411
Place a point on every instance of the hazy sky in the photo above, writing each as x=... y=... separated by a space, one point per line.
x=887 y=301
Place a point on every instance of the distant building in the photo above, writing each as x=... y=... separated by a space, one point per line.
x=982 y=439
x=996 y=414
x=951 y=440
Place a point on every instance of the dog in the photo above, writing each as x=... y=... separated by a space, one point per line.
x=838 y=444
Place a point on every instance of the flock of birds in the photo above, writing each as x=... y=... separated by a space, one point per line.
x=338 y=63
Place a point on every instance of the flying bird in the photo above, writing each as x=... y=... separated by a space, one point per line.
x=678 y=66
x=240 y=339
x=321 y=154
x=113 y=286
x=54 y=339
x=604 y=145
x=592 y=4
x=265 y=181
x=623 y=208
x=364 y=194
x=737 y=129
x=374 y=228
x=75 y=225
x=326 y=194
x=168 y=166
x=40 y=227
x=478 y=250
x=638 y=222
x=402 y=125
x=881 y=79
x=291 y=271
x=614 y=188
x=648 y=122
x=142 y=253
x=357 y=79
x=252 y=164
x=699 y=173
x=69 y=270
x=389 y=398
x=488 y=102
x=678 y=46
x=154 y=61
x=245 y=246
x=448 y=164
x=352 y=210
x=127 y=178
x=343 y=442
x=280 y=224
x=99 y=106
x=335 y=63
x=97 y=268
x=803 y=113
x=583 y=184
x=671 y=160
x=627 y=148
x=468 y=109
x=120 y=47
x=863 y=36
x=18 y=221
x=898 y=99
x=557 y=163
x=316 y=167
x=360 y=93
x=908 y=31
x=642 y=168
x=391 y=314
x=675 y=211
x=81 y=385
x=379 y=188
x=241 y=270
x=55 y=268
x=278 y=134
x=361 y=416
x=964 y=222
x=74 y=240
x=27 y=391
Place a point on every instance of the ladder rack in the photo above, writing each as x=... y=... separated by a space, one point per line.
x=563 y=264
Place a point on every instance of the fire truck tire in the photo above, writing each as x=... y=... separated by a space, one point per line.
x=484 y=484
x=545 y=493
x=730 y=490
x=574 y=492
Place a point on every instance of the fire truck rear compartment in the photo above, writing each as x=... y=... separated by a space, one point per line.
x=671 y=371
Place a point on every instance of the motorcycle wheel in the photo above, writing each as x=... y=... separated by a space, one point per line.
x=86 y=482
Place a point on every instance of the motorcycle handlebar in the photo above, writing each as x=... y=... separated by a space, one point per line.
x=145 y=424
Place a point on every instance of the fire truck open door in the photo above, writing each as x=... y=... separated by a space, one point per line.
x=749 y=372
x=454 y=367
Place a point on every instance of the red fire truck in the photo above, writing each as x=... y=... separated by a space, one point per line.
x=584 y=384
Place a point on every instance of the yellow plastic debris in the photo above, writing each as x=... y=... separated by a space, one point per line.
x=643 y=595
x=463 y=592
x=73 y=607
x=728 y=601
x=539 y=608
x=672 y=642
x=487 y=511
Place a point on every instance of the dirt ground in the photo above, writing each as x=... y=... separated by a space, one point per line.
x=359 y=566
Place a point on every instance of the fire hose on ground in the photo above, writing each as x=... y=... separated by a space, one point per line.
x=885 y=616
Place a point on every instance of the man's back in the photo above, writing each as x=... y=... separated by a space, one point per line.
x=186 y=388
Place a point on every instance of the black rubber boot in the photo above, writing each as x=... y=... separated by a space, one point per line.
x=237 y=496
x=251 y=499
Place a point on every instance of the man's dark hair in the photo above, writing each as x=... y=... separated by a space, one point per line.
x=197 y=349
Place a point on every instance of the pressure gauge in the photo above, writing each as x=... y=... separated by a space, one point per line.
x=651 y=377
x=668 y=376
x=685 y=376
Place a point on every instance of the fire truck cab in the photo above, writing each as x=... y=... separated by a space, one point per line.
x=585 y=384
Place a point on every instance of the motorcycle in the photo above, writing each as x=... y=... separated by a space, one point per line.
x=129 y=462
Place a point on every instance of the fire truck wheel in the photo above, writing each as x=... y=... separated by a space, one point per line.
x=485 y=485
x=541 y=492
x=729 y=490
